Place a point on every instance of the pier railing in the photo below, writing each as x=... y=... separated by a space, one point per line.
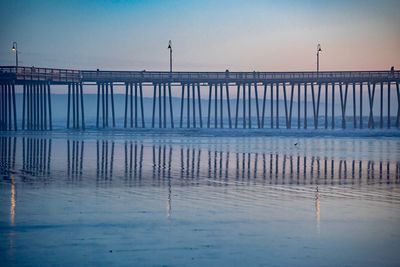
x=68 y=75
x=40 y=74
x=148 y=76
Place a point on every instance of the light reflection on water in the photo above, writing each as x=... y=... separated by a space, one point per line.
x=250 y=181
x=317 y=208
x=12 y=202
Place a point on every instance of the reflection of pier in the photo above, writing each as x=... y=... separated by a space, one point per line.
x=269 y=168
x=169 y=163
x=162 y=162
x=105 y=159
x=7 y=168
x=36 y=155
x=75 y=159
x=133 y=160
x=282 y=169
x=190 y=163
x=8 y=150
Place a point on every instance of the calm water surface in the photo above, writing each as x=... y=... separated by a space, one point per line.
x=174 y=200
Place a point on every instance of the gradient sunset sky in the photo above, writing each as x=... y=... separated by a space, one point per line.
x=206 y=35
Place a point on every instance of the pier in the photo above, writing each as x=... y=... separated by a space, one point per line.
x=255 y=103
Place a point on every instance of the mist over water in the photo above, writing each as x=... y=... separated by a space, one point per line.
x=187 y=198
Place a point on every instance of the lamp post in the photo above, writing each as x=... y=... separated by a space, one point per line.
x=318 y=51
x=15 y=49
x=170 y=55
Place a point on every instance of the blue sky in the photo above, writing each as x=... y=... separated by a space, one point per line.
x=206 y=35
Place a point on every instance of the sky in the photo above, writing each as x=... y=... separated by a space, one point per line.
x=207 y=35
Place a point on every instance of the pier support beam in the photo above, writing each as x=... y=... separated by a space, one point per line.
x=36 y=106
x=263 y=105
x=272 y=105
x=228 y=104
x=133 y=96
x=288 y=110
x=277 y=105
x=257 y=106
x=75 y=98
x=237 y=104
x=102 y=104
x=221 y=101
x=398 y=105
x=305 y=105
x=371 y=95
x=381 y=106
x=244 y=105
x=316 y=101
x=298 y=105
x=354 y=106
x=8 y=114
x=191 y=115
x=361 y=105
x=388 y=105
x=343 y=103
x=170 y=105
x=333 y=105
x=326 y=105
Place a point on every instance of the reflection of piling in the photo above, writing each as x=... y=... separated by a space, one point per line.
x=104 y=159
x=133 y=160
x=218 y=165
x=36 y=155
x=7 y=149
x=190 y=164
x=299 y=169
x=162 y=164
x=75 y=158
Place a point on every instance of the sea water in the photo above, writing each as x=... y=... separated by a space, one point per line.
x=200 y=198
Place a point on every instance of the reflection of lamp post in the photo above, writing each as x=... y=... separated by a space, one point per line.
x=15 y=49
x=170 y=55
x=318 y=50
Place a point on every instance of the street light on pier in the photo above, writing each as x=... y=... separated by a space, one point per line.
x=170 y=55
x=15 y=49
x=318 y=51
